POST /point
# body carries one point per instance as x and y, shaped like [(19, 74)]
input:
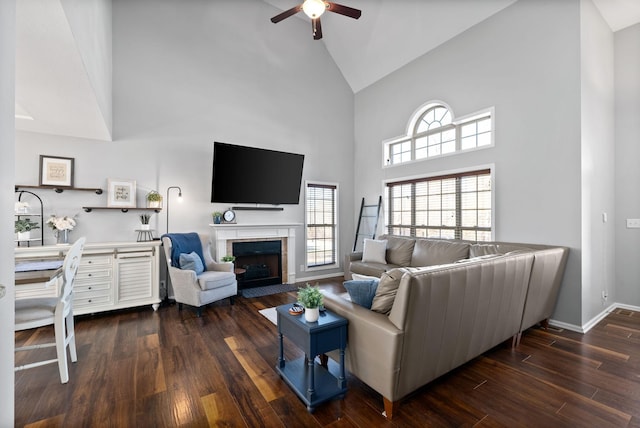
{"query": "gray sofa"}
[(463, 300)]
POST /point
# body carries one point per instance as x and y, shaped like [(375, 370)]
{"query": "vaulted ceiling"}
[(53, 89)]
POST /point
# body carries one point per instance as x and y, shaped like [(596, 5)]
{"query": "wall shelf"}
[(57, 189), (124, 210)]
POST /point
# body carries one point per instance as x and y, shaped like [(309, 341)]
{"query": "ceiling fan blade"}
[(286, 14), (317, 29), (343, 10)]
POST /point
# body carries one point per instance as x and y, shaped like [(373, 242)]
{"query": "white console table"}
[(112, 275)]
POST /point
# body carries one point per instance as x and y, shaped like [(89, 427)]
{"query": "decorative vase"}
[(62, 237), (24, 236), (217, 219), (311, 314), (145, 227)]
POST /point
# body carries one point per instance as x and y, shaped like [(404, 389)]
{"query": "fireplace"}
[(261, 262), (223, 236)]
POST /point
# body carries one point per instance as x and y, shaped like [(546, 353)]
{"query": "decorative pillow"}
[(386, 291), (399, 249), (374, 251), (362, 292), (191, 261), (360, 277)]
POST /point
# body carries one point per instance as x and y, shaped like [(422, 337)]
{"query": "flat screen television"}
[(251, 175)]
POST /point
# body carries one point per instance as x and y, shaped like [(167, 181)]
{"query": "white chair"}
[(38, 312), (217, 282)]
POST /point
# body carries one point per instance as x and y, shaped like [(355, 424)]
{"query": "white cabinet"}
[(111, 275)]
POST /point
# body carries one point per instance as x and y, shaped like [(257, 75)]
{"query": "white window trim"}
[(456, 121), (490, 166), (336, 237)]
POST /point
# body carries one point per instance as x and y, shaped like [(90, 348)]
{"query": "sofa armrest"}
[(374, 344), (356, 255)]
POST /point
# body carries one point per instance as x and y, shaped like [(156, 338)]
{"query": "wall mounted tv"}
[(251, 175)]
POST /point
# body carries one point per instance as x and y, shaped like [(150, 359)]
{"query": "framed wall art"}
[(56, 171), (122, 193)]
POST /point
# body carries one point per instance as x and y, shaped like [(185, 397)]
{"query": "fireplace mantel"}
[(222, 235)]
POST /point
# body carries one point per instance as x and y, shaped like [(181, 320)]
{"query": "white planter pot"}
[(311, 314), (24, 236), (145, 227)]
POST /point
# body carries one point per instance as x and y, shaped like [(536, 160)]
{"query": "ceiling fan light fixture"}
[(314, 8)]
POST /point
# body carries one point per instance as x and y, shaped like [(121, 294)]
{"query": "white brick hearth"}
[(223, 236)]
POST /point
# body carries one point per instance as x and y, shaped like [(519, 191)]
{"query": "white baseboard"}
[(318, 277), (593, 321)]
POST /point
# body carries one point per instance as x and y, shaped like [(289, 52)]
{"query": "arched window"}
[(433, 132)]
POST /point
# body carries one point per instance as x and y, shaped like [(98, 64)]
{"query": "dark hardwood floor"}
[(138, 368)]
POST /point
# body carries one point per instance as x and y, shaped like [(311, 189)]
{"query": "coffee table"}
[(313, 383)]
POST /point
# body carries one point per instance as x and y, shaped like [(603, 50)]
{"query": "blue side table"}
[(312, 382)]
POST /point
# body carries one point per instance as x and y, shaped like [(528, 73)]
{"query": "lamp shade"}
[(314, 8)]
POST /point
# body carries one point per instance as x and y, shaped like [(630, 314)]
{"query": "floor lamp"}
[(168, 204), (166, 297)]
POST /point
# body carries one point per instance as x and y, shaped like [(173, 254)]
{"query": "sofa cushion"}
[(386, 291), (215, 279), (374, 251), (362, 292), (370, 269), (399, 249), (191, 261), (430, 252)]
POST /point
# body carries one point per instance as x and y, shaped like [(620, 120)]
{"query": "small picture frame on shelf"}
[(56, 171), (122, 193)]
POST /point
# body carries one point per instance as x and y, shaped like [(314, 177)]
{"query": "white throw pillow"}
[(374, 251), (358, 277)]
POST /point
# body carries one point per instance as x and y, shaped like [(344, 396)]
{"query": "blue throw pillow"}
[(362, 292), (191, 261)]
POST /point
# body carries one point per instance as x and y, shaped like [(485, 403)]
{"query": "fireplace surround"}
[(223, 236)]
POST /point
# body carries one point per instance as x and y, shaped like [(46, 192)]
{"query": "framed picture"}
[(56, 171), (122, 193)]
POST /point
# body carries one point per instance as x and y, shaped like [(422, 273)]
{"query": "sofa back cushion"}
[(399, 249), (430, 252), (477, 250)]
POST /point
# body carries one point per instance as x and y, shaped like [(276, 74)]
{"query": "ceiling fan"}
[(314, 9)]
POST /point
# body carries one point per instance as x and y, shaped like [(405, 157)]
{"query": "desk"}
[(312, 382)]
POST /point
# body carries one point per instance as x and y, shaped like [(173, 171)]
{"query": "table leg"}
[(312, 383), (281, 355), (342, 381)]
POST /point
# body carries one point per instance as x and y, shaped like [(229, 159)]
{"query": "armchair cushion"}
[(191, 261), (215, 279)]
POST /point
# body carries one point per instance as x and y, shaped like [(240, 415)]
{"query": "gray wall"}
[(597, 157), (627, 177), (524, 61), (186, 74)]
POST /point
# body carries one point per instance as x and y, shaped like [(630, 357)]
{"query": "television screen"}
[(250, 175)]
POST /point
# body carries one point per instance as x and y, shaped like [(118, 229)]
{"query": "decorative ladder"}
[(367, 223)]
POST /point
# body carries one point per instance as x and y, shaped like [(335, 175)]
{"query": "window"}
[(454, 206), (433, 132), (321, 224)]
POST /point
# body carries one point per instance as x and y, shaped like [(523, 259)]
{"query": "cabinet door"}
[(135, 277)]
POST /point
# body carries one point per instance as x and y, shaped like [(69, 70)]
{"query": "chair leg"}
[(61, 348), (389, 406), (231, 300), (71, 338), (199, 311), (179, 306)]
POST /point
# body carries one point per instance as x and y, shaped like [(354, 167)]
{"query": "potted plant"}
[(23, 228), (144, 220), (217, 217), (311, 298), (228, 259), (154, 200)]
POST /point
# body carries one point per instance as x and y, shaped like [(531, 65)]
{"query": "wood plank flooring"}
[(137, 368)]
